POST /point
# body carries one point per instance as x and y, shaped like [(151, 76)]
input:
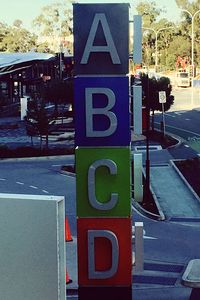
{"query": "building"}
[(23, 73)]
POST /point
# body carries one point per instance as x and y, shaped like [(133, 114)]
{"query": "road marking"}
[(181, 129), (187, 119), (44, 191), (172, 116), (2, 179), (33, 187), (18, 182), (178, 113), (150, 238), (186, 146)]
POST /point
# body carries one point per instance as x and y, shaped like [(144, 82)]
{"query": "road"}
[(42, 176), (183, 120), (185, 98), (164, 241)]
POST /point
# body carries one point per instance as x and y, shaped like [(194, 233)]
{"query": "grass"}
[(194, 145)]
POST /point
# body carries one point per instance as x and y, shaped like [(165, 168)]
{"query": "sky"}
[(27, 10)]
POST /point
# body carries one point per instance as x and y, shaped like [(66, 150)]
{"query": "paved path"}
[(175, 198)]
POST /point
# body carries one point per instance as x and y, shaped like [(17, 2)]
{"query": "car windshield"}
[(184, 75)]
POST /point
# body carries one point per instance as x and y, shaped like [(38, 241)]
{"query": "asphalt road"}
[(42, 176), (39, 177), (183, 121)]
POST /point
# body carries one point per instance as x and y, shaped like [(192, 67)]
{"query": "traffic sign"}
[(162, 97)]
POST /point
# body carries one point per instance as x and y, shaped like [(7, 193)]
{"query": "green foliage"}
[(55, 20), (151, 88), (148, 11), (54, 24), (38, 122), (15, 38), (58, 92)]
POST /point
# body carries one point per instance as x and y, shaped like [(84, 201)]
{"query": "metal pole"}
[(60, 63), (156, 42), (156, 48), (163, 119), (147, 182), (192, 45)]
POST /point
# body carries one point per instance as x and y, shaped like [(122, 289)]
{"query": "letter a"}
[(110, 47)]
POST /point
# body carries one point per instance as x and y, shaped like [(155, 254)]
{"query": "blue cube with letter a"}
[(101, 38), (102, 111)]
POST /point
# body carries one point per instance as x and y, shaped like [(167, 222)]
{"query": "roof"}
[(7, 59), (10, 62)]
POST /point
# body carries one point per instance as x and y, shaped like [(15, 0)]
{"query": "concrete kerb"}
[(2, 160), (147, 213), (178, 138), (184, 179), (191, 276)]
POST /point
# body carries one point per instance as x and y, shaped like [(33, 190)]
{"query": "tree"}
[(58, 92), (151, 88), (179, 46), (16, 38), (38, 122), (151, 25), (186, 25), (149, 12), (55, 23)]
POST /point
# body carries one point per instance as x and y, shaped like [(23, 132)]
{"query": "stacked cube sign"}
[(102, 140)]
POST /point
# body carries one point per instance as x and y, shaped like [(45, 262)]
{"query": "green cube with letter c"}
[(103, 182)]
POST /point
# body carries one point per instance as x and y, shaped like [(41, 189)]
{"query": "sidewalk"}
[(176, 200)]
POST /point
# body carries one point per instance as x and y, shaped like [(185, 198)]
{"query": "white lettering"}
[(92, 273), (100, 18), (90, 111), (111, 165)]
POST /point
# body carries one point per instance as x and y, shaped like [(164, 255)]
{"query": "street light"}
[(156, 32), (192, 35)]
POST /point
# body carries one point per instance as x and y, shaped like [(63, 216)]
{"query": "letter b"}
[(91, 111)]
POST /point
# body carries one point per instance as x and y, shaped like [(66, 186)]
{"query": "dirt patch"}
[(190, 169), (165, 141)]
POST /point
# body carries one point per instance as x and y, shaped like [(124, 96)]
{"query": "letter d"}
[(92, 273)]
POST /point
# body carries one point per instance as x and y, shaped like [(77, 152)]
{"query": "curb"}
[(177, 138), (147, 213), (2, 160), (161, 215)]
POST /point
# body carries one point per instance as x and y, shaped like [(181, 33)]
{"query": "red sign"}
[(105, 252)]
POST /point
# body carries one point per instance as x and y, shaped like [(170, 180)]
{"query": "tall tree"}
[(38, 122), (152, 33), (16, 38), (149, 12), (151, 88), (190, 14), (55, 23)]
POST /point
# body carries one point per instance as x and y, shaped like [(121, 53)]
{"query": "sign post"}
[(162, 100)]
